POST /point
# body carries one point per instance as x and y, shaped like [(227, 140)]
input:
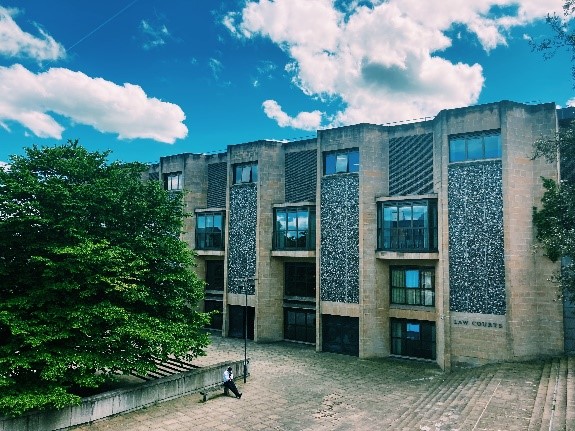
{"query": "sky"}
[(150, 78)]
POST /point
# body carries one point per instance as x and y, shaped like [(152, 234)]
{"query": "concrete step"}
[(559, 399), (535, 424), (445, 404)]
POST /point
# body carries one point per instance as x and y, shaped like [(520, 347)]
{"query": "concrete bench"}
[(210, 390)]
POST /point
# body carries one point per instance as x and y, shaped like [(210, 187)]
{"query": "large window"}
[(413, 338), (294, 228), (210, 231), (412, 286), (245, 173), (299, 325), (476, 146), (215, 275), (338, 162), (407, 225), (299, 279), (173, 181)]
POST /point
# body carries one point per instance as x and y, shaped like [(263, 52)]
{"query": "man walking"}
[(229, 382)]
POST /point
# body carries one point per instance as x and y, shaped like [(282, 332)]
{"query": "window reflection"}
[(209, 231), (341, 162), (294, 228), (475, 146)]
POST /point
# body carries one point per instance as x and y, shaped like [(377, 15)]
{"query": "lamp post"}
[(246, 332)]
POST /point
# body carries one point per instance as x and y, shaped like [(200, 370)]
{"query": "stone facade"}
[(423, 237)]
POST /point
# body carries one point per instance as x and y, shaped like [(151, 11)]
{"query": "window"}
[(215, 275), (338, 162), (412, 286), (173, 181), (475, 147), (210, 231), (294, 228), (340, 334), (413, 338), (299, 279), (299, 325), (245, 173), (407, 225)]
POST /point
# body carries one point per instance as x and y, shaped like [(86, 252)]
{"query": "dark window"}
[(216, 320), (412, 286), (477, 146), (215, 275), (413, 338), (300, 279), (245, 173), (210, 231), (299, 325), (237, 321), (340, 334), (173, 181), (407, 225), (294, 228), (338, 162)]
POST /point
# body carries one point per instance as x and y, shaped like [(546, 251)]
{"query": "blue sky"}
[(150, 78)]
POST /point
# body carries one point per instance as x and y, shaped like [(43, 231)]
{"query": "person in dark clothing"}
[(229, 382)]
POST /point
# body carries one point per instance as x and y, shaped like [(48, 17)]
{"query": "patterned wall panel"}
[(217, 184), (476, 260), (242, 236), (339, 255), (411, 165), (300, 176)]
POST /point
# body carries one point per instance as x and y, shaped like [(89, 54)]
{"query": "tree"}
[(94, 279), (555, 221)]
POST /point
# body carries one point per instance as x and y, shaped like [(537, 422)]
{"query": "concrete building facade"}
[(412, 240)]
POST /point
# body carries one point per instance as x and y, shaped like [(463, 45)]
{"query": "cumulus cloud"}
[(303, 120), (382, 59), (30, 98), (14, 42)]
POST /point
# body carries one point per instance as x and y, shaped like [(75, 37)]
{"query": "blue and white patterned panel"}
[(476, 260), (339, 251), (242, 237)]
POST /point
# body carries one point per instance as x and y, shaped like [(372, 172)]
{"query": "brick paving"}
[(292, 387)]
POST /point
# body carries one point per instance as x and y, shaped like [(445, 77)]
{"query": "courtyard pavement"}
[(292, 387)]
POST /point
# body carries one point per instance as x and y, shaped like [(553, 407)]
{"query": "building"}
[(413, 240)]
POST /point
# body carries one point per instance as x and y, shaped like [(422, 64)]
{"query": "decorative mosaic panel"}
[(300, 176), (411, 165), (476, 261), (242, 237), (339, 255), (217, 185)]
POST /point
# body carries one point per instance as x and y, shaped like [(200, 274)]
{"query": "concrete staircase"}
[(468, 400), (554, 408)]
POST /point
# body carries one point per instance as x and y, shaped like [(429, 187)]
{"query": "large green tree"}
[(94, 279), (555, 220)]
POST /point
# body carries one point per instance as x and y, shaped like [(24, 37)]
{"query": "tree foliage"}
[(555, 221), (562, 35), (94, 279)]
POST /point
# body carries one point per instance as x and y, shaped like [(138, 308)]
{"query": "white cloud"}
[(382, 60), (14, 42), (303, 120), (29, 99), (154, 36)]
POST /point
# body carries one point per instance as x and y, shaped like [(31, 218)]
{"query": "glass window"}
[(299, 325), (245, 173), (412, 286), (477, 146), (299, 279), (407, 225), (173, 181), (415, 339), (341, 161), (215, 275), (210, 231), (294, 228)]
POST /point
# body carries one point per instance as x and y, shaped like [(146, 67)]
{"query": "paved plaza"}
[(292, 387)]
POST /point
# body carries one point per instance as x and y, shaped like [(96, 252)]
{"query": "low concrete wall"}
[(123, 400)]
